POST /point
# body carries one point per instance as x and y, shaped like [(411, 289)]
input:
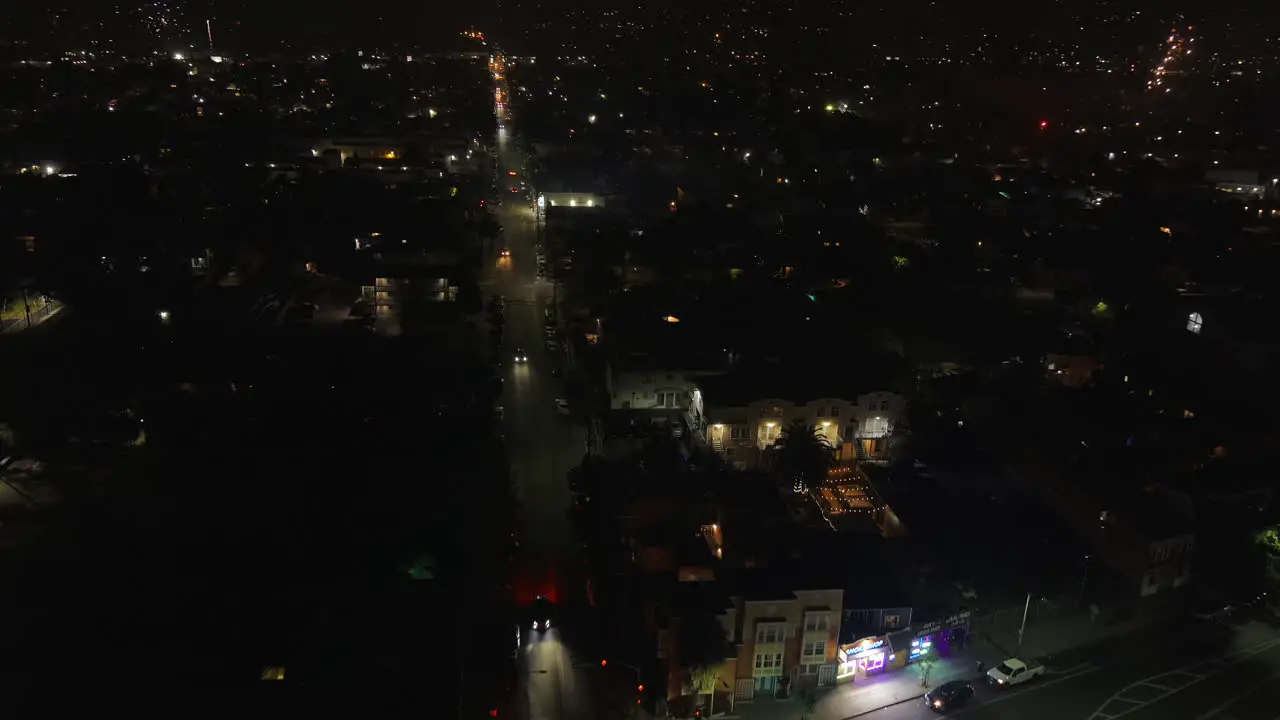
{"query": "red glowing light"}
[(604, 663), (1044, 124)]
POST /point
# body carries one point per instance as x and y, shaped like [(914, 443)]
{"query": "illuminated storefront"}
[(862, 657), (938, 637)]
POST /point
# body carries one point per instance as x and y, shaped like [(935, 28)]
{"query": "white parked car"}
[(1014, 672)]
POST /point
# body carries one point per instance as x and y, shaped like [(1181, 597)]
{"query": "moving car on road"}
[(521, 357), (506, 252), (1014, 672), (949, 695), (541, 611)]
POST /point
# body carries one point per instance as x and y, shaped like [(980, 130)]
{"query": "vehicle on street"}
[(949, 695), (506, 252), (562, 406), (512, 173), (521, 357), (541, 612), (515, 189), (1014, 672)]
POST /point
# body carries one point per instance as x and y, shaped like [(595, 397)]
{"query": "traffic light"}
[(640, 688), (604, 663), (698, 713)]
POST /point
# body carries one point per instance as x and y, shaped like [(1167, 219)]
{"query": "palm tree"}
[(803, 453)]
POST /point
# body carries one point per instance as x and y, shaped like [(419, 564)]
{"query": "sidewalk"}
[(1045, 639), (850, 699)]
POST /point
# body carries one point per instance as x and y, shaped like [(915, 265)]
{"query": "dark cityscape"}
[(553, 360)]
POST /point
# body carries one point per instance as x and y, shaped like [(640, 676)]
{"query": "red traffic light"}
[(640, 688), (1044, 124), (604, 663)]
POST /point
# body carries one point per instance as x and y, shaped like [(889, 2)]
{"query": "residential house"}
[(741, 418), (664, 383), (780, 639), (1138, 534), (785, 637), (396, 286)]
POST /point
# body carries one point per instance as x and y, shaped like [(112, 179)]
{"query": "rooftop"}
[(668, 360), (846, 382), (805, 563)]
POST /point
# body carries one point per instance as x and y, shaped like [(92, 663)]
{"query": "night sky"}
[(257, 24)]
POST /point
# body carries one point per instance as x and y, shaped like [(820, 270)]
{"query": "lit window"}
[(768, 633), (1195, 322)]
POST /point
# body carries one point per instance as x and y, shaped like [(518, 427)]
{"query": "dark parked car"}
[(949, 695)]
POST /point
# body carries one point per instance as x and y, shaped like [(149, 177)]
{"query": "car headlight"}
[(937, 703), (546, 623), (1000, 681)]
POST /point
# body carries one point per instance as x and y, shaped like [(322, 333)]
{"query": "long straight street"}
[(1197, 673), (543, 442)]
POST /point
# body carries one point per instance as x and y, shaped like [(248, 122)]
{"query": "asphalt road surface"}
[(1195, 673), (543, 444)]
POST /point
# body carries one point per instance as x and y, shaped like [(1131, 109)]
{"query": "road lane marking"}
[(1221, 664), (1037, 686), (1237, 697), (1157, 685)]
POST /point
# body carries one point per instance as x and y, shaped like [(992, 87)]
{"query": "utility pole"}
[(1022, 630)]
